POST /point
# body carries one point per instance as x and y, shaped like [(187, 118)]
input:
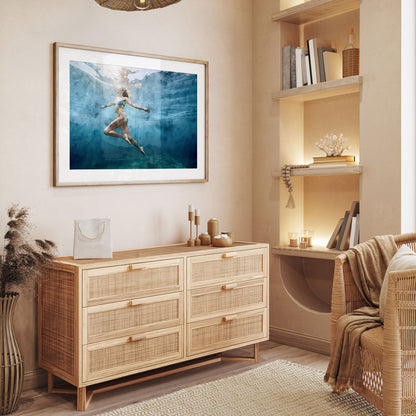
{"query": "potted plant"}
[(22, 260)]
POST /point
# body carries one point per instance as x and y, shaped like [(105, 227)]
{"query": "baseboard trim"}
[(296, 339), (35, 379)]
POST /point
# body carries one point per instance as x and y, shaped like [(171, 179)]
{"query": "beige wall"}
[(241, 190), (380, 118), (216, 31)]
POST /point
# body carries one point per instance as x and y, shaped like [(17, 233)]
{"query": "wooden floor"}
[(39, 402)]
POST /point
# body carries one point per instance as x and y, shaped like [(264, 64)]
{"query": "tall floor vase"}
[(11, 360)]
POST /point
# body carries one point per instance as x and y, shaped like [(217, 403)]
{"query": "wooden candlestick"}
[(197, 222), (191, 241)]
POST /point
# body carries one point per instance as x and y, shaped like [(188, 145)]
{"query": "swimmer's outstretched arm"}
[(108, 105), (137, 106)]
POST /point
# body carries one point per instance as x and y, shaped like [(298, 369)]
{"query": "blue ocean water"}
[(168, 133)]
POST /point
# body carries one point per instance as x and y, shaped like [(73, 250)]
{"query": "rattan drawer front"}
[(123, 356), (227, 298), (217, 334), (131, 281), (129, 317), (221, 268)]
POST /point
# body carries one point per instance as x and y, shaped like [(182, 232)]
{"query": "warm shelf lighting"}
[(135, 5)]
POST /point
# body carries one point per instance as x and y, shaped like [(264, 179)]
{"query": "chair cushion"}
[(404, 259)]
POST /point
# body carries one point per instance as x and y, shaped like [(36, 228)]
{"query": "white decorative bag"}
[(92, 239)]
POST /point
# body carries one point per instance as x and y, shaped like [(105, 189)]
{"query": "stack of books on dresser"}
[(319, 62)]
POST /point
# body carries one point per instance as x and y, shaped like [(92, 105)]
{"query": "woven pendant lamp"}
[(135, 5)]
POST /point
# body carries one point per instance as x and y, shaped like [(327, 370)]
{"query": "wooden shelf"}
[(321, 90), (314, 10), (312, 252), (323, 171)]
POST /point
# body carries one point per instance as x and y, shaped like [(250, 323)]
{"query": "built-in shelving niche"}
[(306, 114), (308, 281)]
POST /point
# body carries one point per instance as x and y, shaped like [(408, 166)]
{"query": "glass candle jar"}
[(303, 243), (293, 239), (308, 233)]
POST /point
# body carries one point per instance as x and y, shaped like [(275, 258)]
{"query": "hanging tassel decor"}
[(286, 179)]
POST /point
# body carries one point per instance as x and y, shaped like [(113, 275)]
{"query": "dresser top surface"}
[(175, 250)]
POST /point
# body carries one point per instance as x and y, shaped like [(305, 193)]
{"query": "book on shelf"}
[(321, 50), (308, 69), (300, 67), (342, 230), (332, 243), (332, 65), (288, 67), (332, 164), (355, 231), (313, 45), (344, 242), (333, 159)]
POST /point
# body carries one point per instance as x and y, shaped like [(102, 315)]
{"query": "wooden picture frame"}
[(128, 118)]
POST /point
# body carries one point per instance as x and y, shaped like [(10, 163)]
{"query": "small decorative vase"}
[(222, 240), (11, 360)]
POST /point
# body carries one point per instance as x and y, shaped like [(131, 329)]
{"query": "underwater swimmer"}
[(121, 119)]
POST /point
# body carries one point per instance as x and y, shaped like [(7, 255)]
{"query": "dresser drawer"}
[(229, 298), (123, 356), (215, 334), (129, 317), (231, 265), (130, 281)]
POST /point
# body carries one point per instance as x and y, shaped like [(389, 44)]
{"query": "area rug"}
[(279, 388)]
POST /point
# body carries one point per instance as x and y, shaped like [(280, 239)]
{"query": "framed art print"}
[(128, 118)]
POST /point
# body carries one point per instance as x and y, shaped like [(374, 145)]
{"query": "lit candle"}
[(303, 242), (293, 240)]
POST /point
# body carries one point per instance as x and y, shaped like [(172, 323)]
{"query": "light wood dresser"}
[(167, 308)]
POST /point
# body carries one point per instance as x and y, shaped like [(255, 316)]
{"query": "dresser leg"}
[(256, 352), (254, 359), (50, 382), (81, 398)]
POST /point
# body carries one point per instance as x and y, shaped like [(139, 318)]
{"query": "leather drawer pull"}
[(229, 286), (136, 267), (229, 255), (131, 303), (137, 338), (229, 318)]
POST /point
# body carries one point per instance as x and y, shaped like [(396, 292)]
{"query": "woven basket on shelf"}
[(132, 5), (350, 62)]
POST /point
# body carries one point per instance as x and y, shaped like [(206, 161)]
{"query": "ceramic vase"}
[(11, 360)]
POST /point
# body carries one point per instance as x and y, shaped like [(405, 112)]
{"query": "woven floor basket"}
[(11, 360), (130, 5)]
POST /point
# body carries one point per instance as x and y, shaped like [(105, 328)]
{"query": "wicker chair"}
[(388, 353)]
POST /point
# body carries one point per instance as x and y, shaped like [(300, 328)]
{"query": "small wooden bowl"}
[(222, 240)]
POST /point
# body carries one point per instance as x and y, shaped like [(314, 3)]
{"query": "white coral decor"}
[(333, 145)]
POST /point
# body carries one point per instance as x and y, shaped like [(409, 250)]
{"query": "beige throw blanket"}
[(368, 262)]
